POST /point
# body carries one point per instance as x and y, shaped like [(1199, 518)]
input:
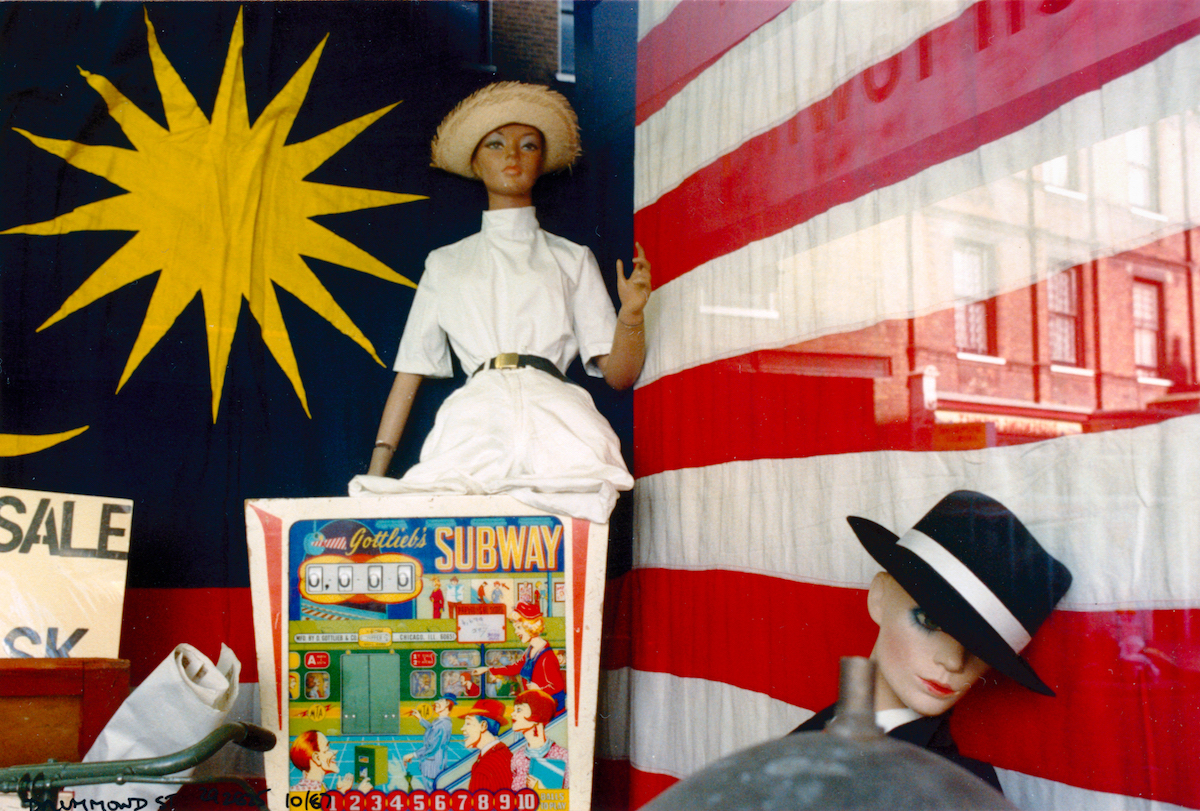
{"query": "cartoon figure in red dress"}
[(480, 728), (437, 598), (538, 666)]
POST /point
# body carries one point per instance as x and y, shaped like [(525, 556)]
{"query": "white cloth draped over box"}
[(513, 287), (185, 698)]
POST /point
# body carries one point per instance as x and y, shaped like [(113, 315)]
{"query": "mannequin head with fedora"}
[(963, 591)]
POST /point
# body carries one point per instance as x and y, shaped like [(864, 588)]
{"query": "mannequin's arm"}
[(623, 364), (391, 424)]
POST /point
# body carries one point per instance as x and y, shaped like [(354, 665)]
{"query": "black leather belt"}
[(511, 360)]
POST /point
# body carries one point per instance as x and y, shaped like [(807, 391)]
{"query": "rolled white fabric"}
[(184, 699)]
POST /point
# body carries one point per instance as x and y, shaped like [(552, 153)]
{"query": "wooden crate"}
[(55, 708)]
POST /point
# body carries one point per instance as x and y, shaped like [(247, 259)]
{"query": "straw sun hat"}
[(504, 103)]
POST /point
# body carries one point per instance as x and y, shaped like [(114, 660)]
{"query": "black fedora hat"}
[(978, 573)]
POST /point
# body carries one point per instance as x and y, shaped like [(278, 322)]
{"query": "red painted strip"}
[(692, 37), (873, 131), (618, 786), (155, 621), (272, 527), (744, 413), (1128, 683), (579, 558)]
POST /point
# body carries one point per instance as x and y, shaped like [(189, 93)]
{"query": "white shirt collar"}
[(888, 720), (511, 220)]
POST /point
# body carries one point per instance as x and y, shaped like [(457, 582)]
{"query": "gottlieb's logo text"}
[(52, 522)]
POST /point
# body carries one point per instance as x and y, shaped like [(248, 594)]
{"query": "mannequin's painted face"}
[(918, 665), (509, 160)]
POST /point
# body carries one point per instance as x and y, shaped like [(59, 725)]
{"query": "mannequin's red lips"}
[(937, 688)]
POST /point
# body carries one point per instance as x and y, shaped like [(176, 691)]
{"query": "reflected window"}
[(1142, 158), (566, 40), (972, 315), (1147, 327), (1062, 298), (1061, 172)]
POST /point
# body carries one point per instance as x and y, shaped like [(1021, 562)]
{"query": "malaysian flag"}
[(903, 248), (212, 222)]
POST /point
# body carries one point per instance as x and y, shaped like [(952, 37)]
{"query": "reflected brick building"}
[(1105, 343)]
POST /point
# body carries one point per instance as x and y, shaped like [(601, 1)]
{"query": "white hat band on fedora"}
[(969, 586)]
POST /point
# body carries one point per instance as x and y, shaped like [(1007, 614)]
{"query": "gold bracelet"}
[(379, 443)]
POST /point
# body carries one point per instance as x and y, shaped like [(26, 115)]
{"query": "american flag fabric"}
[(799, 169)]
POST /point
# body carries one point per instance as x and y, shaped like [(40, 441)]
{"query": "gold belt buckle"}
[(505, 360)]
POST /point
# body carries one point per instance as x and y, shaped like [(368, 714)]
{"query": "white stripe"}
[(679, 725), (892, 246), (1118, 508), (1031, 793), (786, 65), (969, 586), (651, 13)]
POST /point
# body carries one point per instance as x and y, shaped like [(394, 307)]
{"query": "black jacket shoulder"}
[(930, 732)]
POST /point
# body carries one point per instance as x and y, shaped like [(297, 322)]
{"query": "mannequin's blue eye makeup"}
[(922, 621)]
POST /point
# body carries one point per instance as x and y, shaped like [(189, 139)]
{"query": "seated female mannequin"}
[(516, 305), (964, 590)]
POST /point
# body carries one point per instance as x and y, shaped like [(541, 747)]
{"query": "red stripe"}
[(687, 621), (155, 621), (1128, 706), (849, 144), (618, 786), (692, 37), (738, 409), (1128, 683)]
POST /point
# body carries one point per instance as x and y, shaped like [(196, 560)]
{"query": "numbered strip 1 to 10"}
[(504, 800)]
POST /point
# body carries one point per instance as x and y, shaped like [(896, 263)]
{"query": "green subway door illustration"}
[(370, 693)]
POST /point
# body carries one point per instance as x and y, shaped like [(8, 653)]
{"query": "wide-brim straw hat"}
[(497, 105)]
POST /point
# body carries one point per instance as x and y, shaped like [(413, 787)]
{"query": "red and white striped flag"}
[(837, 197)]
